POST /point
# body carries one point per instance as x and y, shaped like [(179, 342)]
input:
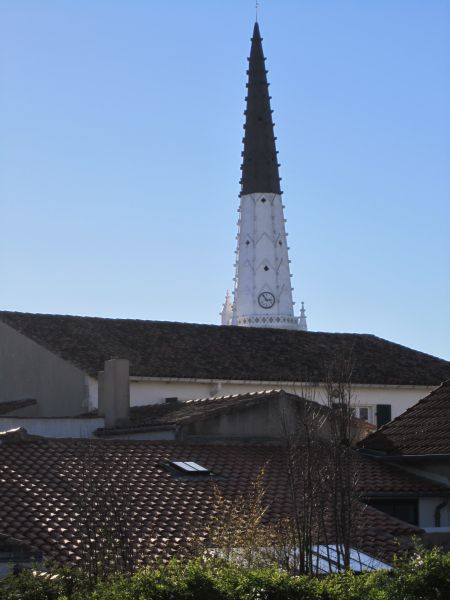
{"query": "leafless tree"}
[(103, 500), (344, 429), (306, 470), (321, 471)]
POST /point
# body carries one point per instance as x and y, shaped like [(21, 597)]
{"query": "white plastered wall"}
[(153, 391), (427, 508)]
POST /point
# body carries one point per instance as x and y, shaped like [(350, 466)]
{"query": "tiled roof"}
[(184, 350), (44, 482), (12, 405), (173, 414), (423, 429), (375, 478)]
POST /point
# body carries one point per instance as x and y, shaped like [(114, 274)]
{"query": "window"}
[(403, 509), (366, 413), (16, 555), (189, 468)]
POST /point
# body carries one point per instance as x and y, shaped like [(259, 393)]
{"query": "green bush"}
[(57, 584), (425, 577)]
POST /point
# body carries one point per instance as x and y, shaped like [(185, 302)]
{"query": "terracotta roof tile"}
[(423, 429), (184, 350), (375, 477), (45, 486)]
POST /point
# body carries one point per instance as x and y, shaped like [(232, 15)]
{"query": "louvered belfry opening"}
[(259, 157)]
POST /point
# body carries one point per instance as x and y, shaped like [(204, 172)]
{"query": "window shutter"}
[(383, 414)]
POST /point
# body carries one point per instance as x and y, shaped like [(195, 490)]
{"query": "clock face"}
[(266, 300)]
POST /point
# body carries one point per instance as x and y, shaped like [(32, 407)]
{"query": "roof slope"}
[(422, 429), (177, 413), (171, 415), (44, 482), (185, 350)]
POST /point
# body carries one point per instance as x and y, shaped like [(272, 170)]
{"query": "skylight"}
[(190, 468), (327, 559)]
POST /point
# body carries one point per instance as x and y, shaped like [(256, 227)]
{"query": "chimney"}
[(114, 392), (101, 393)]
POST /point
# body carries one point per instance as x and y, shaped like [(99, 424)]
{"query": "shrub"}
[(425, 577)]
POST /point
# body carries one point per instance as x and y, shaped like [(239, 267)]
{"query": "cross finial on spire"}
[(256, 10)]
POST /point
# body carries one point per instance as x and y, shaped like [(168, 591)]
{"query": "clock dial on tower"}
[(266, 300)]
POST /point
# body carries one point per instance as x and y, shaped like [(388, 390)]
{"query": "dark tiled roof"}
[(12, 405), (183, 412), (184, 350), (422, 429), (375, 478), (43, 483), (173, 414)]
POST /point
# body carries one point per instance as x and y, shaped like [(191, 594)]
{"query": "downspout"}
[(437, 512)]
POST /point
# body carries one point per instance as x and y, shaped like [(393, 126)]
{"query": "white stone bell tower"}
[(263, 289)]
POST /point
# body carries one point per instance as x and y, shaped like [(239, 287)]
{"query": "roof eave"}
[(272, 382)]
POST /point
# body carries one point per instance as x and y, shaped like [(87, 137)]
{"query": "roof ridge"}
[(229, 396)]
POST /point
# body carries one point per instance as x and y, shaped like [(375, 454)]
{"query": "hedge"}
[(424, 577)]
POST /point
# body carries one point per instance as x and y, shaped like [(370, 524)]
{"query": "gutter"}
[(378, 455), (143, 379), (389, 495), (437, 512), (126, 430)]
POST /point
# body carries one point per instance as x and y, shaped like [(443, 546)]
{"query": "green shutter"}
[(383, 414)]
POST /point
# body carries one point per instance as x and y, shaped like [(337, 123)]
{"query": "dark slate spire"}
[(259, 163)]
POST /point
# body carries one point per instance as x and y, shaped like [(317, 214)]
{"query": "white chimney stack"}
[(114, 392)]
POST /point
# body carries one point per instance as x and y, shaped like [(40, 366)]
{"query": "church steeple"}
[(262, 285), (259, 157)]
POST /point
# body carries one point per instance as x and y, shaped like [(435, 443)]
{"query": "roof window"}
[(189, 468)]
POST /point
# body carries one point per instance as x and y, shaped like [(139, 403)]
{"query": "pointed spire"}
[(259, 162), (302, 325), (227, 310)]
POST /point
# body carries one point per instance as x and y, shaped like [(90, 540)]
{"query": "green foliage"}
[(57, 584), (424, 577)]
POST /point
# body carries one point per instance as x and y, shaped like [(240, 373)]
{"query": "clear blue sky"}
[(121, 126)]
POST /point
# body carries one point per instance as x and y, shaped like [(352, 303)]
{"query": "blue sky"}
[(121, 126)]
